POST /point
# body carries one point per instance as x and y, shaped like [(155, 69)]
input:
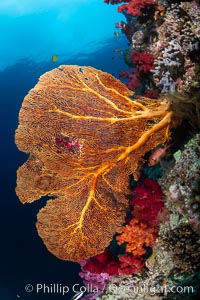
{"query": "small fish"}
[(118, 51), (154, 39), (156, 79), (164, 282), (120, 25), (157, 155), (54, 58), (148, 21), (156, 15), (77, 296), (116, 34)]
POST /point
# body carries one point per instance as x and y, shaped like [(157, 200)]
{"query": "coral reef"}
[(178, 49), (168, 30), (136, 238), (184, 244), (182, 184), (85, 136), (173, 269), (87, 133)]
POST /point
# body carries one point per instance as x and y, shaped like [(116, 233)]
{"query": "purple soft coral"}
[(95, 284)]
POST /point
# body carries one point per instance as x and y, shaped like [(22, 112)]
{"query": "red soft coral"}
[(143, 60), (105, 262), (148, 202), (135, 7), (134, 78), (110, 264), (130, 264)]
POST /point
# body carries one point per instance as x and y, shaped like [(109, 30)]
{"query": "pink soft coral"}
[(95, 282)]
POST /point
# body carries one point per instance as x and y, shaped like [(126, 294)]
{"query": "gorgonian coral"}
[(85, 137)]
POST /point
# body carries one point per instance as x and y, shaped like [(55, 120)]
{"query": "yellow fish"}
[(54, 58)]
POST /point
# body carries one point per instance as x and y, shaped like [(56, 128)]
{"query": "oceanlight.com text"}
[(151, 290)]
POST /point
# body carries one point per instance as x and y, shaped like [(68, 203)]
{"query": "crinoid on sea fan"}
[(84, 136)]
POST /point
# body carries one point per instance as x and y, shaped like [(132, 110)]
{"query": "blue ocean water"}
[(81, 32)]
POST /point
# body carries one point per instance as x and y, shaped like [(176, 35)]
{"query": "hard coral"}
[(181, 186), (184, 243), (82, 106), (137, 235)]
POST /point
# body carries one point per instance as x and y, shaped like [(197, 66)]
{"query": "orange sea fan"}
[(85, 136)]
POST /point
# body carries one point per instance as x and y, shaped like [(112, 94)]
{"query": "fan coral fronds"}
[(137, 235), (85, 137)]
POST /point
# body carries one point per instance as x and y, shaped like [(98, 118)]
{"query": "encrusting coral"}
[(85, 136), (184, 244)]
